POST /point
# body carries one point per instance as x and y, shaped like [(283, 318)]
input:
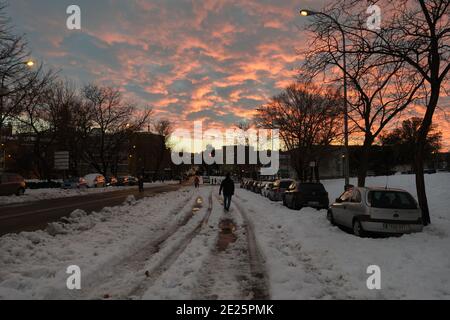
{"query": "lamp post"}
[(306, 13)]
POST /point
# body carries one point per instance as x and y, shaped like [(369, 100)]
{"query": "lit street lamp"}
[(306, 13), (4, 90)]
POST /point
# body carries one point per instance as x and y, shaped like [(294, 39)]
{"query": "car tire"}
[(285, 202), (358, 229), (330, 217), (20, 192)]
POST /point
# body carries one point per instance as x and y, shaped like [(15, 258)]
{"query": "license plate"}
[(313, 203), (397, 227)]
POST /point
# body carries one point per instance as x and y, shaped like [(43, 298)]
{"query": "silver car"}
[(379, 210)]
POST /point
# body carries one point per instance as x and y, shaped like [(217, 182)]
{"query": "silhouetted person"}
[(197, 182), (227, 186), (141, 183)]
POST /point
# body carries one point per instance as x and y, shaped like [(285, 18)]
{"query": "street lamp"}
[(4, 90), (306, 13)]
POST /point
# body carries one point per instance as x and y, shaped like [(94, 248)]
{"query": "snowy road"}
[(179, 245), (34, 215)]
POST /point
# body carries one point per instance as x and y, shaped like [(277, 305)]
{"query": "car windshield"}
[(391, 200)]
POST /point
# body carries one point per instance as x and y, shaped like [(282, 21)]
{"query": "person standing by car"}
[(141, 183), (227, 186)]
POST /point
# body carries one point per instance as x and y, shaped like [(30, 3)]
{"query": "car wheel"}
[(285, 203), (358, 229), (20, 192), (330, 217)]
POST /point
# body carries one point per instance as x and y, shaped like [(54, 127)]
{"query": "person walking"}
[(227, 186), (197, 182)]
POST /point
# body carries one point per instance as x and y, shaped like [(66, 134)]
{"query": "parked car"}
[(248, 184), (300, 195), (253, 186), (261, 186), (112, 181), (378, 210), (74, 183), (278, 189), (95, 180), (267, 187), (127, 181), (11, 183)]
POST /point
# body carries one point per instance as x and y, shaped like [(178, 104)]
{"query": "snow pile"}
[(56, 193), (307, 258), (33, 265)]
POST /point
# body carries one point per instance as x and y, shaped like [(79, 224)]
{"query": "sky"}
[(209, 60)]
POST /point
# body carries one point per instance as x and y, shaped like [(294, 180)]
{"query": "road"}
[(34, 216)]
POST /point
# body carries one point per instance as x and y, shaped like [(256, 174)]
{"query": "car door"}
[(353, 208), (340, 207)]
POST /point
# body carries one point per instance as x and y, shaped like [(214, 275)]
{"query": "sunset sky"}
[(210, 60)]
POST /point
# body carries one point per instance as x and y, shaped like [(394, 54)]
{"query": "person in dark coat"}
[(197, 182), (227, 186), (141, 183)]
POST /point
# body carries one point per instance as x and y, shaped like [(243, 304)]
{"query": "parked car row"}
[(294, 195), (361, 210), (14, 184), (96, 180)]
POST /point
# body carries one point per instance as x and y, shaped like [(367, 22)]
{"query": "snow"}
[(33, 265), (160, 248), (307, 258), (32, 195)]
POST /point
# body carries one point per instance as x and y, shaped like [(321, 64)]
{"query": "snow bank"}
[(33, 265), (55, 193), (307, 258)]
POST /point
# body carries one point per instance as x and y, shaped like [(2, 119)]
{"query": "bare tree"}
[(379, 88), (112, 121), (417, 33), (307, 117), (35, 121), (15, 75), (163, 128)]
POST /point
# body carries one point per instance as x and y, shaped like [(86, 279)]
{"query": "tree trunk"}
[(420, 186), (364, 161), (420, 154)]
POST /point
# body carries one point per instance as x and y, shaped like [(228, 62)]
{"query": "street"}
[(36, 215)]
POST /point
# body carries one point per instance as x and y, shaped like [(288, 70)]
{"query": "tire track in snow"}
[(330, 286), (235, 269), (166, 262), (97, 283)]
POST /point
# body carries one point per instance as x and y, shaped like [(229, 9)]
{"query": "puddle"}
[(198, 205), (226, 235)]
